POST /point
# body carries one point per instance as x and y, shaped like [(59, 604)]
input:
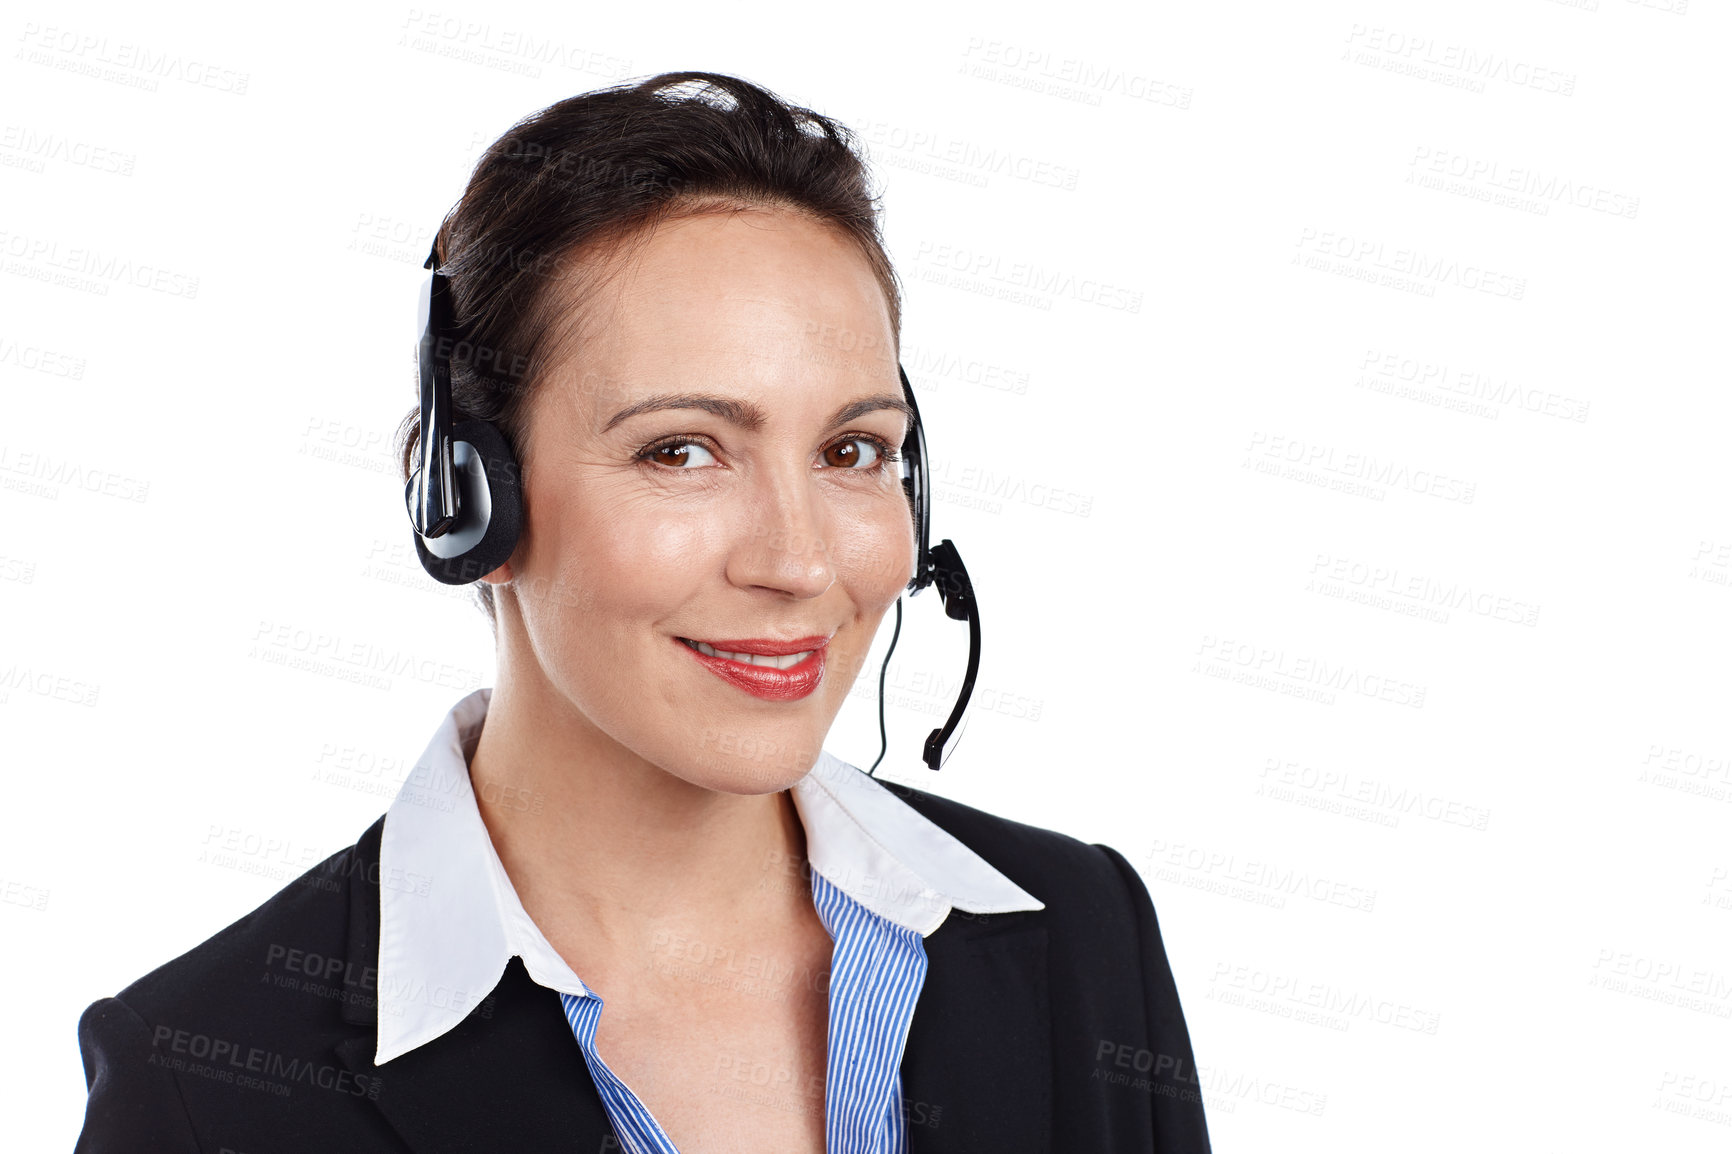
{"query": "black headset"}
[(466, 504)]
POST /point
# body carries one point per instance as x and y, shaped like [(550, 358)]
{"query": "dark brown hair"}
[(581, 178)]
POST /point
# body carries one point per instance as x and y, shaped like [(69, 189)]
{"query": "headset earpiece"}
[(465, 501), (489, 507)]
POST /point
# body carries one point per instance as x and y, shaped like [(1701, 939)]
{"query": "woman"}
[(648, 290)]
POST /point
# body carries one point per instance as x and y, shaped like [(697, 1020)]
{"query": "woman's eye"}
[(679, 454), (855, 453)]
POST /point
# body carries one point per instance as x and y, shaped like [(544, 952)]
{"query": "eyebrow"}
[(749, 416)]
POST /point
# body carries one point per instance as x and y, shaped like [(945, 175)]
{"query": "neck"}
[(607, 850)]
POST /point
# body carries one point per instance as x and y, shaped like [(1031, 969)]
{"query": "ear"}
[(499, 576)]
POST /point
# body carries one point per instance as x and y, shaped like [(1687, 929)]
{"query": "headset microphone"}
[(939, 566), (465, 504)]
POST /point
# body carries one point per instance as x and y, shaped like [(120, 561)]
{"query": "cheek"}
[(645, 555), (645, 564), (874, 552), (633, 564)]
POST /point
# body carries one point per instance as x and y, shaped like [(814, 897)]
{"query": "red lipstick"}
[(764, 681)]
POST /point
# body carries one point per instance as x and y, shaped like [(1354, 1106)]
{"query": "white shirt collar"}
[(450, 920)]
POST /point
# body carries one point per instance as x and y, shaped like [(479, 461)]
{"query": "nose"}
[(782, 544)]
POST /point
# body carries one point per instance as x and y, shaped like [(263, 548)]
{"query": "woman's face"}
[(712, 462)]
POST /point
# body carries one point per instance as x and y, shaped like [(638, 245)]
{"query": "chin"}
[(744, 762)]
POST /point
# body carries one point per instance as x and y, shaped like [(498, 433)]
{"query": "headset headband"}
[(433, 508)]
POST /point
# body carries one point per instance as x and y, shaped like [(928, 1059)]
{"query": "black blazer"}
[(1051, 1030)]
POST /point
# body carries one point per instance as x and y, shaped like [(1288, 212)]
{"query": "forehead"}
[(753, 301)]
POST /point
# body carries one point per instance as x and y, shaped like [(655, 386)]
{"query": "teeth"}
[(764, 659)]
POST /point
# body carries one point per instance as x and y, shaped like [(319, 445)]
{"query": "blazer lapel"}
[(977, 1071), (510, 1076)]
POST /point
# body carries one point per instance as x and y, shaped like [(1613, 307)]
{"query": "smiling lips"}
[(772, 670)]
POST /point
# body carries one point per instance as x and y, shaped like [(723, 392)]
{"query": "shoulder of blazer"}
[(301, 932), (1080, 884), (1094, 991), (238, 1038)]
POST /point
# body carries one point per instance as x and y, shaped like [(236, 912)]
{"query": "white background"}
[(1430, 778)]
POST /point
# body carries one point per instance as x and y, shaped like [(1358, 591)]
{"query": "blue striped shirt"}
[(876, 971)]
